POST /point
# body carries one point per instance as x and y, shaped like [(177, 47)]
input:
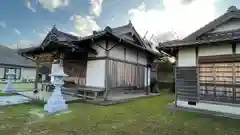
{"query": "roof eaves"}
[(196, 42), (139, 37), (23, 50)]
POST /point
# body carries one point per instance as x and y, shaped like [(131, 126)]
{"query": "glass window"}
[(17, 72)]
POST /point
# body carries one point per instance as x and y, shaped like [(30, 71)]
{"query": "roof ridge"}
[(65, 33), (232, 9)]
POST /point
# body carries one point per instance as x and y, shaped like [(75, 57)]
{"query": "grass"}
[(7, 94), (144, 116)]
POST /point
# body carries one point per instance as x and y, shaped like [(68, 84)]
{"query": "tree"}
[(165, 74)]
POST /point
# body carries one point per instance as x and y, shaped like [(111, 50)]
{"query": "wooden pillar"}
[(234, 73), (37, 77), (106, 70), (124, 69), (198, 71), (175, 76), (61, 59), (137, 74)]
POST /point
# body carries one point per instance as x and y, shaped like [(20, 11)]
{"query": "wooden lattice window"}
[(219, 82)]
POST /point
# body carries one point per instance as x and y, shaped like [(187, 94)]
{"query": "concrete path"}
[(13, 100), (44, 96)]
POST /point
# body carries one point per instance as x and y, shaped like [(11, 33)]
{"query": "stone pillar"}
[(56, 103), (9, 87)]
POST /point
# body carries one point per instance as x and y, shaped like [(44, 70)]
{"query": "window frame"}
[(230, 87), (15, 71)]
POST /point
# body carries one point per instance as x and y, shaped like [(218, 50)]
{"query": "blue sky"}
[(27, 21)]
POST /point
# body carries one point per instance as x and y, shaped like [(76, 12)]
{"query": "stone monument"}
[(56, 103), (9, 87)]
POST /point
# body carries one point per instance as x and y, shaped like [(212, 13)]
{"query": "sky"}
[(24, 23)]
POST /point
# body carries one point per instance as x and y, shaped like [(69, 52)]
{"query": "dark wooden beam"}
[(234, 48), (197, 70), (220, 58), (175, 76), (113, 46), (137, 72), (36, 78)]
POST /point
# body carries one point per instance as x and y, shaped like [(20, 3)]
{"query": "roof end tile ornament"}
[(232, 9)]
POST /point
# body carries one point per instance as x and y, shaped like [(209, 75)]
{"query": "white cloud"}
[(29, 5), (21, 44), (96, 7), (3, 24), (176, 19), (84, 26), (51, 5), (17, 31), (44, 33)]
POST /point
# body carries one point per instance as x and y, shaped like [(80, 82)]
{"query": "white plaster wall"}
[(95, 73), (28, 73), (186, 57), (142, 59), (101, 51), (117, 52), (211, 107), (131, 55), (208, 50), (238, 48), (2, 72), (147, 78), (230, 25)]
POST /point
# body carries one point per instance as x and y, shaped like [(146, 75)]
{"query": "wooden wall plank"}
[(125, 74), (186, 90)]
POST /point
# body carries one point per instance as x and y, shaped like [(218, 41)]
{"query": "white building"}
[(208, 66), (111, 60), (25, 69)]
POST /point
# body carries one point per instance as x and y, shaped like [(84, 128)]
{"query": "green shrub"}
[(167, 85)]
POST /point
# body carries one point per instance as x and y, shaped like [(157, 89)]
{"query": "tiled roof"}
[(232, 12), (10, 57), (119, 33), (231, 34), (204, 34)]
